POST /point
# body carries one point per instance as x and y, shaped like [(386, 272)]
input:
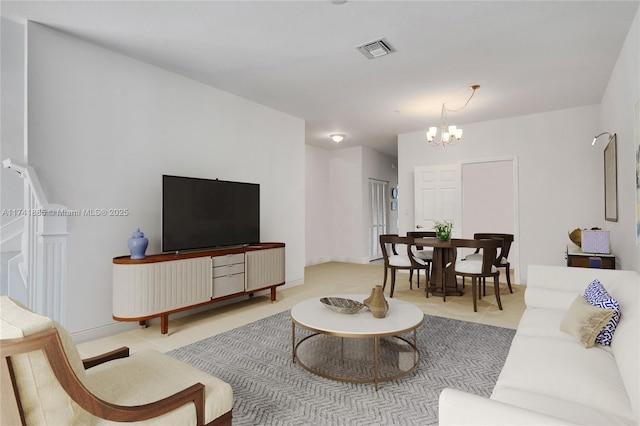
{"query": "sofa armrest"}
[(461, 408)]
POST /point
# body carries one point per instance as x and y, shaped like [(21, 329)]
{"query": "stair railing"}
[(43, 249)]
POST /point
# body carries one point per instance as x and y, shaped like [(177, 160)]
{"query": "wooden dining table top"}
[(432, 242)]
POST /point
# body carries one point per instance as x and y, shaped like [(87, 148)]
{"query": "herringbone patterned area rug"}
[(270, 390)]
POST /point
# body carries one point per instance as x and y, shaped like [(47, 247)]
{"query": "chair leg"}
[(384, 284), (393, 282), (410, 279), (496, 286), (473, 288), (418, 276), (509, 280)]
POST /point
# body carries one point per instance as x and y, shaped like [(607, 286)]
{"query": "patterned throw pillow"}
[(598, 296)]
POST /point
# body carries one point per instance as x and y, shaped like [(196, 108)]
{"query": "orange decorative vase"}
[(376, 303)]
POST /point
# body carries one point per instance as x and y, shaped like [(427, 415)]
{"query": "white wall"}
[(318, 201), (12, 119), (616, 116), (104, 127), (560, 175), (337, 202)]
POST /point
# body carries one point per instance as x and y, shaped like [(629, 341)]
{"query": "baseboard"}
[(319, 260), (102, 331)]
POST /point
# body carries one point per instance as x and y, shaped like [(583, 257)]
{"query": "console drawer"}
[(228, 259), (234, 268), (228, 284)]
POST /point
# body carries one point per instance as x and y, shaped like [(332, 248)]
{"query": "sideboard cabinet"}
[(163, 284)]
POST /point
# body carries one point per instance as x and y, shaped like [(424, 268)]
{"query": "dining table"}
[(443, 280)]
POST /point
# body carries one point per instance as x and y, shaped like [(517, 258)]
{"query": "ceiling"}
[(299, 57)]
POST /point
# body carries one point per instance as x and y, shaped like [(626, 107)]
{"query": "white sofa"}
[(549, 377)]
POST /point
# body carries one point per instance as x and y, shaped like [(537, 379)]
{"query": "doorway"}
[(379, 217), (489, 201)]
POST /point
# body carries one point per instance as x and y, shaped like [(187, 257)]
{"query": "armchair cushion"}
[(423, 254), (402, 261), (471, 266), (156, 376)]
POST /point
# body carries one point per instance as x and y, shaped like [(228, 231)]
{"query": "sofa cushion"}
[(542, 322), (626, 345), (569, 411), (564, 370), (598, 296)]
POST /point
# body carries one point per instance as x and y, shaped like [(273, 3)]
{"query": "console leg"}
[(273, 294), (164, 324), (143, 324)]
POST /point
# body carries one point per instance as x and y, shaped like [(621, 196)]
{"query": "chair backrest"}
[(42, 398), (489, 249), (506, 239), (392, 241), (421, 234)]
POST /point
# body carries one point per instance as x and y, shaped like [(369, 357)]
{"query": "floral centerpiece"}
[(443, 230)]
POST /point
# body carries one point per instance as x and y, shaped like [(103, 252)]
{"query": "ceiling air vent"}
[(375, 49)]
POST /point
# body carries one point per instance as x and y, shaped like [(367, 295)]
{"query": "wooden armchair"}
[(395, 259), (502, 259), (424, 254), (478, 269), (44, 381)]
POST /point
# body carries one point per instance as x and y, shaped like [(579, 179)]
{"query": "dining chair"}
[(420, 252), (478, 269), (502, 258), (396, 259)]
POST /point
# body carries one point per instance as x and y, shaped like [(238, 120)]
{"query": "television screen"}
[(204, 213)]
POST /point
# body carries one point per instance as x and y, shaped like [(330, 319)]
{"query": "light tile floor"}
[(326, 279)]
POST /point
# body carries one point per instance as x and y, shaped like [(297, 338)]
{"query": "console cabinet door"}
[(152, 288), (265, 268)]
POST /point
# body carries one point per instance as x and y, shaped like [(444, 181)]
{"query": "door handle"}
[(419, 226)]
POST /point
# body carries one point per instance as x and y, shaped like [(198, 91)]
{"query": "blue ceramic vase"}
[(138, 245)]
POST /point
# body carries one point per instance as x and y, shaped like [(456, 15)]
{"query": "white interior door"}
[(378, 217), (438, 197)]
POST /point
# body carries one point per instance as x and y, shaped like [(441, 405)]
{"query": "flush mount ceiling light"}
[(601, 134), (337, 138), (449, 134), (375, 49)]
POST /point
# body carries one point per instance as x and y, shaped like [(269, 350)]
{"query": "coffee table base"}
[(356, 360)]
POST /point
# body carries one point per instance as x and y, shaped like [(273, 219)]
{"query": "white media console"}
[(163, 284)]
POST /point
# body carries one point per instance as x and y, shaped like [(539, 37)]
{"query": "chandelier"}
[(449, 134)]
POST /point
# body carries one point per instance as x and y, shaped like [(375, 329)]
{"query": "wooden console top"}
[(164, 257)]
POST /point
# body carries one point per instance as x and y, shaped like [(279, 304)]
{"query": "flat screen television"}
[(204, 213)]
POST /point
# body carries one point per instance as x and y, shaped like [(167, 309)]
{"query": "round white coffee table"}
[(356, 347)]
